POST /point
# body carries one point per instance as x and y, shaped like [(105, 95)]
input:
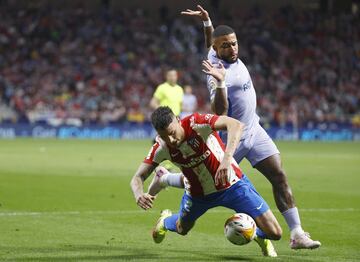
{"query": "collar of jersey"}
[(226, 64)]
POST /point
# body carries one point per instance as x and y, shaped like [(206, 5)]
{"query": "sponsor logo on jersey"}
[(194, 142), (196, 160)]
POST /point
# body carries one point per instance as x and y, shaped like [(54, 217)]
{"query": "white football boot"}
[(303, 241)]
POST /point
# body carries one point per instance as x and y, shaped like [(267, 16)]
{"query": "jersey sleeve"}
[(205, 119), (212, 56), (156, 155), (180, 94), (159, 94)]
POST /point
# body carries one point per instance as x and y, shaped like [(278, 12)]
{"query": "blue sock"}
[(260, 233), (170, 222)]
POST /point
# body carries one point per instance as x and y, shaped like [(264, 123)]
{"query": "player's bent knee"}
[(183, 229), (183, 233), (277, 235), (279, 179), (268, 223), (276, 232)]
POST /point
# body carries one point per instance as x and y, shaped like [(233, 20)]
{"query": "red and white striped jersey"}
[(198, 157)]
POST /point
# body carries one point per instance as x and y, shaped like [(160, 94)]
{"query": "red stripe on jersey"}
[(237, 170), (212, 165), (208, 119), (221, 143), (213, 120), (185, 123), (149, 160), (196, 189), (196, 118), (211, 162)]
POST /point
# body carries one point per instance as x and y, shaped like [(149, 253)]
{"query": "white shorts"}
[(256, 147)]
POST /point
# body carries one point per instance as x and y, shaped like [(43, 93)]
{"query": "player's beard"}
[(230, 59)]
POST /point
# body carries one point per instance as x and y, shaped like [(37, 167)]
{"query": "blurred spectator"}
[(356, 121), (189, 103), (169, 93), (78, 67)]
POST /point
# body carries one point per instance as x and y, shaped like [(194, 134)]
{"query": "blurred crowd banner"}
[(125, 131), (145, 131)]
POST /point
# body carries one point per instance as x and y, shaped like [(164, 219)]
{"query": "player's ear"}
[(178, 118)]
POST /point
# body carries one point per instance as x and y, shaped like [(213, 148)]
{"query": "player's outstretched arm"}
[(204, 16), (234, 130), (219, 103), (143, 200)]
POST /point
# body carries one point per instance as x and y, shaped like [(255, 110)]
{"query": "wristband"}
[(221, 85), (207, 23)]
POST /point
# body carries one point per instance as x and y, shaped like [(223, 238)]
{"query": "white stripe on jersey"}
[(218, 152), (198, 156), (205, 178), (214, 146)]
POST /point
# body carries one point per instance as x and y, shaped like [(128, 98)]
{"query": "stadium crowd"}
[(79, 67)]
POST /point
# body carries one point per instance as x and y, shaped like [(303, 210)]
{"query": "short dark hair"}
[(222, 30), (162, 117)]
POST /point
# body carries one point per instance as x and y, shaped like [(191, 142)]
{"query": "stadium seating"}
[(77, 66)]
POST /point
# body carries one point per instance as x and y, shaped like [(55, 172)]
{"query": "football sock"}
[(173, 179), (260, 233), (170, 222), (292, 218)]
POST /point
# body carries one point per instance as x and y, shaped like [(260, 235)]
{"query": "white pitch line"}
[(123, 212)]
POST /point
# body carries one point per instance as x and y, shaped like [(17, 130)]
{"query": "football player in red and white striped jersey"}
[(214, 178)]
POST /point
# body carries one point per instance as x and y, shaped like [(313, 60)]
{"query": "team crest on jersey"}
[(194, 142)]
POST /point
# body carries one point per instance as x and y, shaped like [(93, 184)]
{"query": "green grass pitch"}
[(70, 200)]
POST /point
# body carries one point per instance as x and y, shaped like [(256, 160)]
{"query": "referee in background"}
[(169, 93)]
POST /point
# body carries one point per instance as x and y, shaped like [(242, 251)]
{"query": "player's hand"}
[(217, 71), (201, 13), (222, 174), (145, 201)]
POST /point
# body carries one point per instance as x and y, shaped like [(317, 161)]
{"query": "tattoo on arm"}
[(208, 36)]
